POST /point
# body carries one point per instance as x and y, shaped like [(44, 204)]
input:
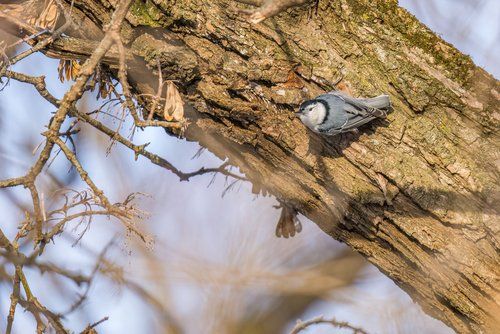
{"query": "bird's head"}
[(312, 112)]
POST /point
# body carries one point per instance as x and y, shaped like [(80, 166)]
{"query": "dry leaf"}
[(61, 69), (105, 84), (174, 107), (68, 69), (48, 17), (288, 223), (75, 69), (68, 72)]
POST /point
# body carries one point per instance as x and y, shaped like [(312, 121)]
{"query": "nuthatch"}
[(336, 112)]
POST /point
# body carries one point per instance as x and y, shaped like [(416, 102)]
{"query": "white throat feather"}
[(318, 114)]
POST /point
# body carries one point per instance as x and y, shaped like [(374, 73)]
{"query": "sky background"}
[(473, 26), (202, 238)]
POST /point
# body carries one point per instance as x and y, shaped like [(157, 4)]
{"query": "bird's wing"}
[(356, 122), (358, 106), (351, 123)]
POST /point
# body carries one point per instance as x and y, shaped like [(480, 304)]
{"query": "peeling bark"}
[(417, 195)]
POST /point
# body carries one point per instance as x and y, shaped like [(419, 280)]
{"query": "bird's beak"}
[(298, 113)]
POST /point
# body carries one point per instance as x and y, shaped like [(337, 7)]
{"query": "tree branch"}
[(303, 325)]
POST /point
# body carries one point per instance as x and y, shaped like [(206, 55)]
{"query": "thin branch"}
[(89, 329), (302, 325), (14, 182), (58, 228), (14, 299), (31, 303), (123, 211), (129, 103), (157, 97), (66, 104), (36, 207), (79, 168), (39, 84)]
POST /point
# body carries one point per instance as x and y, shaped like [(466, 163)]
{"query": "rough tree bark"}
[(417, 195)]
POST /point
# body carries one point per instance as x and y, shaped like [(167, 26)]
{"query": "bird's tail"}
[(380, 102)]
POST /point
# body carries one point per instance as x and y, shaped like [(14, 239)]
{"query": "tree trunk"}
[(417, 195)]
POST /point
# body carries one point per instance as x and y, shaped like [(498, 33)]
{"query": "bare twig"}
[(129, 103), (157, 97), (302, 325), (139, 150), (31, 303), (89, 328), (14, 299), (123, 211), (47, 225)]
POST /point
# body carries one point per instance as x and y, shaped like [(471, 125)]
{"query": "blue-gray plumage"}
[(336, 112)]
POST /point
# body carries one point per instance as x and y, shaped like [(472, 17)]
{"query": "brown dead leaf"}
[(288, 224), (68, 69), (105, 83), (75, 69), (102, 81), (61, 69), (48, 17), (174, 107)]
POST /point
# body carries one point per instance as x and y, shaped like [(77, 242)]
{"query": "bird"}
[(336, 112)]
